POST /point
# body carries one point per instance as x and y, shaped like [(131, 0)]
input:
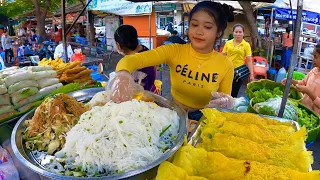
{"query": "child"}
[(126, 38), (310, 85), (196, 69)]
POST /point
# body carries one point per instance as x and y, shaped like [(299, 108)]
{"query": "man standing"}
[(7, 46)]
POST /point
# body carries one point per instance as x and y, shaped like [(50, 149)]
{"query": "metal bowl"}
[(147, 172)]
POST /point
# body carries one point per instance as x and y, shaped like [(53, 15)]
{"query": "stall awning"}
[(121, 7)]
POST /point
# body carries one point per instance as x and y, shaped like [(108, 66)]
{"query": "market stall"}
[(84, 135)]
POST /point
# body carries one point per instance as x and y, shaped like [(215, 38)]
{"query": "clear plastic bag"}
[(122, 87), (221, 100), (271, 107), (7, 169)]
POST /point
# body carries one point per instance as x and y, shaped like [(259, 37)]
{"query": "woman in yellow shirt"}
[(237, 51), (196, 69)]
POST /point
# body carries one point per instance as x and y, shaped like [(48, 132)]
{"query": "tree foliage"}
[(19, 7)]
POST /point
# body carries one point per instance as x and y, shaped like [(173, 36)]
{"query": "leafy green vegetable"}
[(164, 130), (309, 120), (266, 110)]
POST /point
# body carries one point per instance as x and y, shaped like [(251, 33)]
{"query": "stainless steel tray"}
[(194, 138), (146, 172)]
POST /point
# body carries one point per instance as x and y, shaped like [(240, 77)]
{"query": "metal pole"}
[(83, 9), (270, 29), (150, 32), (64, 40), (293, 60)]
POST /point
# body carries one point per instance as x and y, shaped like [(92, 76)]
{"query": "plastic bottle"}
[(281, 74)]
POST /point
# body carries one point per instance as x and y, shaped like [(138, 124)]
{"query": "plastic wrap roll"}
[(44, 74), (5, 99), (48, 90), (20, 85), (45, 82), (3, 89), (17, 77), (5, 109), (23, 93), (39, 68)]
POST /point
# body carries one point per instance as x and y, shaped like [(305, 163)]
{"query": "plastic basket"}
[(312, 134), (267, 84)]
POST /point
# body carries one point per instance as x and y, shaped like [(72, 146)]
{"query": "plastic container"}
[(281, 75), (272, 73), (312, 134)]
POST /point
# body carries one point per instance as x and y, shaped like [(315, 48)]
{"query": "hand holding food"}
[(221, 100), (123, 88)]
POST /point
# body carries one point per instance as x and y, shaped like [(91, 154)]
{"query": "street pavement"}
[(166, 84)]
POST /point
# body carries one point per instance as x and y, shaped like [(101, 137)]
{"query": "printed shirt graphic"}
[(237, 53), (193, 75)]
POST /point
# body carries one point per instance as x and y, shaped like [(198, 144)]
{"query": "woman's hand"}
[(303, 89), (221, 100), (122, 87), (284, 81), (251, 78)]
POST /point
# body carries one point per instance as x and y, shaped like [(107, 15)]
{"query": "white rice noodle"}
[(119, 137)]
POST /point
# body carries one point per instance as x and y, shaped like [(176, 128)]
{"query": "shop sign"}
[(165, 7), (121, 7), (307, 16)]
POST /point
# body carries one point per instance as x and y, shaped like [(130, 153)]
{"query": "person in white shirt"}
[(58, 52), (7, 46), (21, 32)]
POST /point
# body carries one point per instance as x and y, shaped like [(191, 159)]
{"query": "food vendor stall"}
[(84, 135)]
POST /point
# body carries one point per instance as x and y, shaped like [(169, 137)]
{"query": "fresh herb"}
[(210, 136), (124, 145), (120, 122), (164, 130)]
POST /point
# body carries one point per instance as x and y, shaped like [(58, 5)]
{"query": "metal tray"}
[(194, 138), (147, 172)]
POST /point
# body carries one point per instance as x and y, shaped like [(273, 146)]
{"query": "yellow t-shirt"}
[(193, 75), (237, 53)]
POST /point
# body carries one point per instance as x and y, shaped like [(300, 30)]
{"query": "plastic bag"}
[(123, 87), (271, 107), (221, 100), (7, 169)]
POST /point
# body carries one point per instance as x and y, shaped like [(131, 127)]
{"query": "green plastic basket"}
[(268, 84), (297, 75), (312, 134)]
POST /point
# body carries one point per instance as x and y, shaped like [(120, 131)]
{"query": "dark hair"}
[(288, 30), (5, 30), (238, 25), (127, 37), (174, 32), (33, 30), (221, 13)]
